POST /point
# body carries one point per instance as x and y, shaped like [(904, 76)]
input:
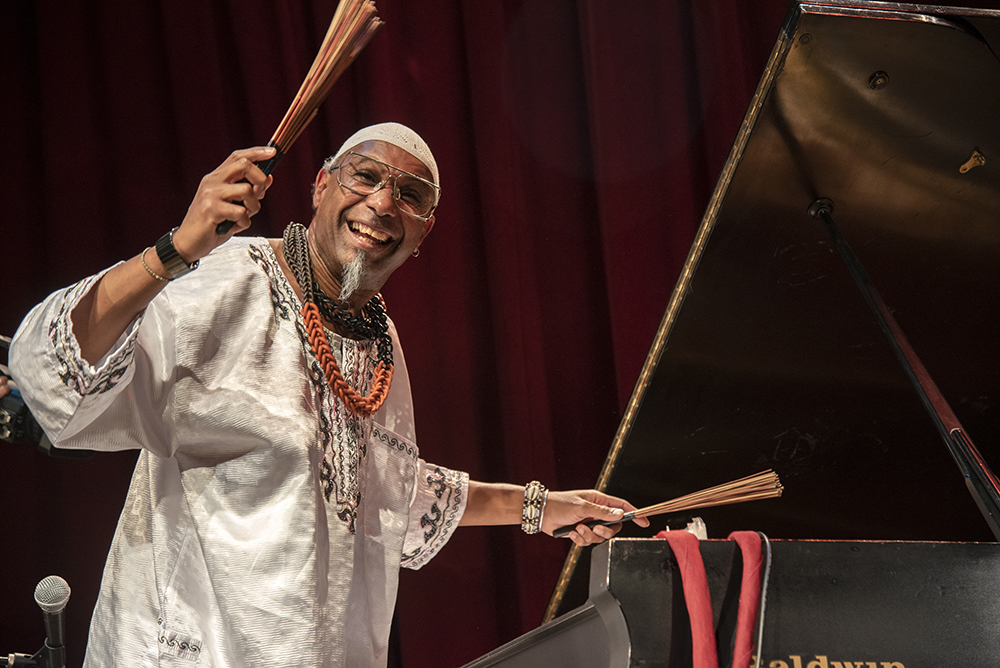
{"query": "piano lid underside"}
[(774, 361)]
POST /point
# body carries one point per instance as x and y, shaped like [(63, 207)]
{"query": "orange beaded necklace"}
[(295, 248)]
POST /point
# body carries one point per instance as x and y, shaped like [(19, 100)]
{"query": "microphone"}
[(52, 595)]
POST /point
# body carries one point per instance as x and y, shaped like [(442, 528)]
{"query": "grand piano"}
[(835, 321)]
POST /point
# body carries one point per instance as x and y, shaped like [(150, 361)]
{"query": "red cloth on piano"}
[(687, 552), (749, 542)]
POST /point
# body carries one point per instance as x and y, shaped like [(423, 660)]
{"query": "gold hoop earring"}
[(416, 251)]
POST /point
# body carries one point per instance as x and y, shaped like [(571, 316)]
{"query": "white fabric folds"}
[(265, 525)]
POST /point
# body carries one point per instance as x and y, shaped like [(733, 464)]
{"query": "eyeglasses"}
[(364, 175)]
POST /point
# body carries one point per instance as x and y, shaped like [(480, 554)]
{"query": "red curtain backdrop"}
[(578, 141)]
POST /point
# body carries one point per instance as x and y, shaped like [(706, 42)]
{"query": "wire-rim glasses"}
[(364, 175)]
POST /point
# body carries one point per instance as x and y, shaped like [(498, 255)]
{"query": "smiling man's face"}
[(346, 222)]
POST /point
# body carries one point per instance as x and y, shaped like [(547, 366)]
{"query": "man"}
[(278, 489)]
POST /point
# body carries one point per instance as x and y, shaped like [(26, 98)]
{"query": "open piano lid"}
[(768, 356)]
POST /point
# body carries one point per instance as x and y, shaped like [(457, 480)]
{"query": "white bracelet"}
[(535, 497)]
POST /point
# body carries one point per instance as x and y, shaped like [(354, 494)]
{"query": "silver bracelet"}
[(171, 259), (535, 497)]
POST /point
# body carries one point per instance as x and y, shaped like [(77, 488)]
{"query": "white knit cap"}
[(397, 135)]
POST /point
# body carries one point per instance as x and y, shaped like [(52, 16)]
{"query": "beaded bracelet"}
[(150, 271), (535, 497)]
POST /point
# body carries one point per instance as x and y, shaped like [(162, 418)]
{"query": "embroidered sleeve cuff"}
[(57, 383), (75, 372), (437, 507)]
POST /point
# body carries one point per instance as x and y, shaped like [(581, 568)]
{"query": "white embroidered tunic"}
[(265, 525)]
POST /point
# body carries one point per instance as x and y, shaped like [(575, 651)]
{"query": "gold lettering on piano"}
[(821, 661)]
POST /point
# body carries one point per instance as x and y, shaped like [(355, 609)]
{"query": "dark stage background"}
[(578, 142)]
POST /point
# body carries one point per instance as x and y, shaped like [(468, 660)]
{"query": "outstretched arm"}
[(107, 309), (500, 503)]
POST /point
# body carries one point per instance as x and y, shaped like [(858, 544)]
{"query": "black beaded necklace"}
[(371, 325)]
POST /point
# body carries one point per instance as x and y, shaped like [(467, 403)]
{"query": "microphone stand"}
[(46, 657), (43, 658)]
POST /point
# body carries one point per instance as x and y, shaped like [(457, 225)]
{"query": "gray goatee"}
[(351, 276)]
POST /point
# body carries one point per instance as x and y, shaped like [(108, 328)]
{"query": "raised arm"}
[(107, 309), (500, 503)]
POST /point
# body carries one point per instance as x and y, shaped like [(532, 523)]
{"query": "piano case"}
[(861, 200), (829, 604)]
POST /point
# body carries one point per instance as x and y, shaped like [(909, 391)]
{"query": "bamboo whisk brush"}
[(353, 25), (763, 485)]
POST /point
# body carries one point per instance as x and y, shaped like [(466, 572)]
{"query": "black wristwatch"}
[(170, 258)]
